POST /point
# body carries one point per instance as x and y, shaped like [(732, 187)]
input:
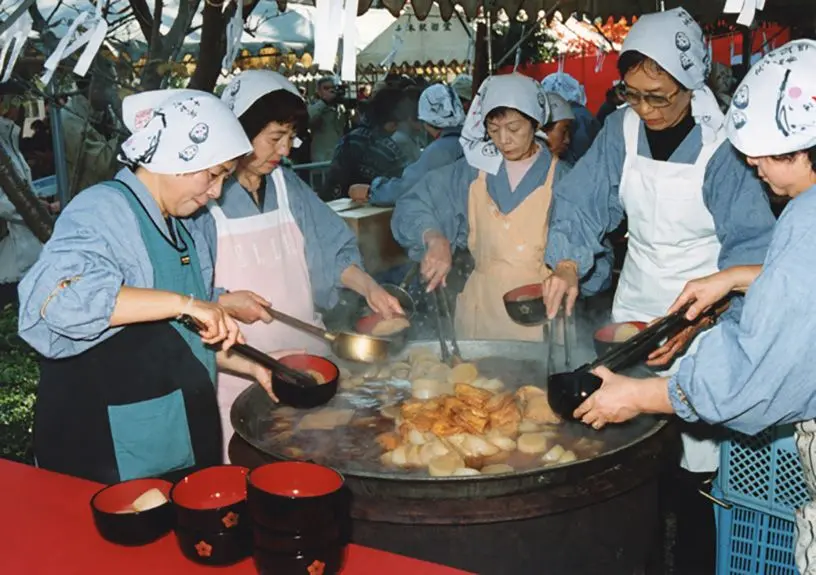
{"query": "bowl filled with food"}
[(612, 335), (324, 372), (525, 304), (133, 512)]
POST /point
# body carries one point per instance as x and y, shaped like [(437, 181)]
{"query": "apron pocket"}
[(151, 437)]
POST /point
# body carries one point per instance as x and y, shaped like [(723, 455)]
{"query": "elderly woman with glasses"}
[(692, 203)]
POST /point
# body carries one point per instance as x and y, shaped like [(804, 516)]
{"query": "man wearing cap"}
[(327, 120)]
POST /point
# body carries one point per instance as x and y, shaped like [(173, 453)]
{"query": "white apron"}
[(805, 548), (264, 253), (672, 240)]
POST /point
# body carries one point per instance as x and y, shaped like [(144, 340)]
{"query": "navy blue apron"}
[(142, 403)]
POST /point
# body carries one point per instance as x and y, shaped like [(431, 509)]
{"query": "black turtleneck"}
[(663, 143)]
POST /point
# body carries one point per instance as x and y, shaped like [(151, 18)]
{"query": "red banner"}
[(597, 77)]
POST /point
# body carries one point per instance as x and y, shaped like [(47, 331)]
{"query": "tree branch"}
[(142, 14)]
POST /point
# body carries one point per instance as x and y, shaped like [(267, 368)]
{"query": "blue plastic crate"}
[(763, 472), (750, 542)]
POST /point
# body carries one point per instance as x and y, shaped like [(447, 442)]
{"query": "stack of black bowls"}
[(300, 518), (212, 526)]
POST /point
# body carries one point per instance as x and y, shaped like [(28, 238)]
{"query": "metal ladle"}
[(345, 345)]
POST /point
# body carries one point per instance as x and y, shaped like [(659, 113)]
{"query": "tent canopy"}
[(783, 11), (409, 40)]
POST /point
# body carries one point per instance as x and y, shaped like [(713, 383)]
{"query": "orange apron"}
[(508, 251)]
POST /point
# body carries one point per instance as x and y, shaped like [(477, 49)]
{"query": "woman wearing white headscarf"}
[(271, 234), (692, 204), (495, 201), (585, 127), (442, 116), (754, 371), (125, 390)]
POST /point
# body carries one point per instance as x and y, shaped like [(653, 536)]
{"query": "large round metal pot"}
[(593, 516)]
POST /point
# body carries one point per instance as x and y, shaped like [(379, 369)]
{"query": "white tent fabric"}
[(411, 40)]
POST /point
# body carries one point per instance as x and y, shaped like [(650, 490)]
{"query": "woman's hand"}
[(437, 261), (245, 306), (615, 401), (217, 325), (359, 192), (706, 291), (382, 302), (562, 284), (622, 398)]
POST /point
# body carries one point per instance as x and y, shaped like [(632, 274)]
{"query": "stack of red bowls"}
[(300, 518), (212, 525)]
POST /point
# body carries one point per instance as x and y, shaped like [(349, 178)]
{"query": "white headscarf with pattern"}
[(565, 86), (514, 91), (440, 107), (674, 40), (774, 109), (181, 131)]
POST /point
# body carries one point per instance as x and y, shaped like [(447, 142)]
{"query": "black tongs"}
[(253, 354), (638, 347), (641, 345), (443, 307)]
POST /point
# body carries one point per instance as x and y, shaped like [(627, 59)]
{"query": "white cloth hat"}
[(674, 40), (565, 86), (245, 89), (181, 131), (463, 86), (774, 109), (560, 108), (514, 91), (440, 107)]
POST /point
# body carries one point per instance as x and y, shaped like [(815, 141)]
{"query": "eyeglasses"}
[(634, 98)]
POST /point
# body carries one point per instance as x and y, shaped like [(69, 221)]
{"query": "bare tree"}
[(213, 44), (162, 48)]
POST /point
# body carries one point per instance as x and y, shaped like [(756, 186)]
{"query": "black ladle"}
[(567, 390), (253, 354)]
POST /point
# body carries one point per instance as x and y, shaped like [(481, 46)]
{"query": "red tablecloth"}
[(47, 528)]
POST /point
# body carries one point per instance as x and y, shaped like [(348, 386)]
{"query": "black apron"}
[(140, 403)]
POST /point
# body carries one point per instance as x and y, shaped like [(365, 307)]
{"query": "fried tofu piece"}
[(538, 409), (445, 428), (389, 441), (471, 422), (472, 395), (506, 420), (499, 401)]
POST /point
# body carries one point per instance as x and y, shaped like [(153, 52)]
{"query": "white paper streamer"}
[(745, 8), (18, 34), (396, 44), (327, 33), (348, 67), (96, 28), (235, 29)]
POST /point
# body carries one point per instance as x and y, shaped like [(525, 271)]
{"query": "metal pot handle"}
[(301, 325)]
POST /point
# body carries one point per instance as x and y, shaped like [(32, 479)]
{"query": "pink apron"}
[(264, 253), (509, 252)]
